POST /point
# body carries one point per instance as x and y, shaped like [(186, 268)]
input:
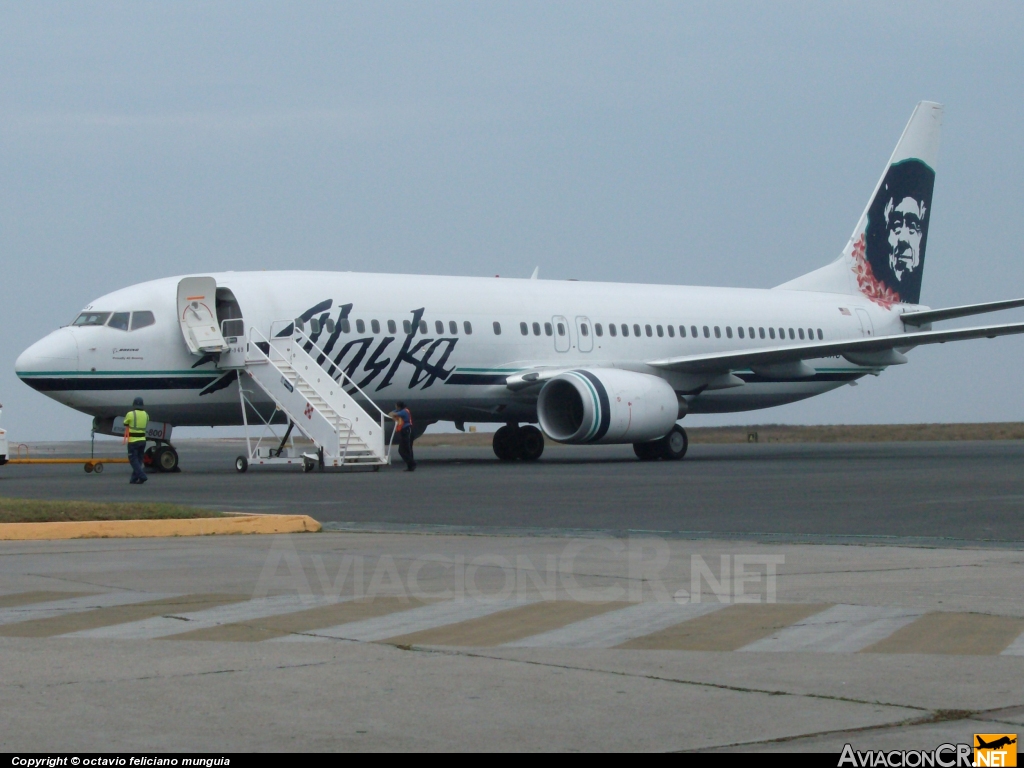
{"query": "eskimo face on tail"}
[(897, 230)]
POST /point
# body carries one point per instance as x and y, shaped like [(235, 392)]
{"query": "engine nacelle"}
[(606, 405)]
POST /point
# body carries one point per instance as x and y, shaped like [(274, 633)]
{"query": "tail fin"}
[(884, 259)]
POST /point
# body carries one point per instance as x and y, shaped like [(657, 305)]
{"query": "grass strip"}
[(37, 511)]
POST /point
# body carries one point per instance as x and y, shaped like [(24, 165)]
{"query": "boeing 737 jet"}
[(589, 362)]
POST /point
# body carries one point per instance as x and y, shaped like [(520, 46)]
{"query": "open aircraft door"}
[(197, 313)]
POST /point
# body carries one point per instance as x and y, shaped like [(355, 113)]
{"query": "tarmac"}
[(762, 616)]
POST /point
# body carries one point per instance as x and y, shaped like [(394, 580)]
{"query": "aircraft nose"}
[(56, 352)]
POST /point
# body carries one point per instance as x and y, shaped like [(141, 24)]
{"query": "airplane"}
[(1002, 741), (589, 362)]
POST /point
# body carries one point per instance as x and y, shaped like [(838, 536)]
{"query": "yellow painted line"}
[(965, 634), (28, 598), (507, 626), (120, 614), (68, 461), (270, 627), (128, 529), (727, 629)]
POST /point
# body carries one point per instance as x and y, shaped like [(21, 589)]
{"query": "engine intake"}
[(607, 405)]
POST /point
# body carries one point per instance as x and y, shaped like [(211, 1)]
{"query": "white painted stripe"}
[(177, 623), (54, 608), (407, 621), (839, 629), (615, 627), (1016, 648)]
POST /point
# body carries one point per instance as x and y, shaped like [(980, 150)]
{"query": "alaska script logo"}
[(372, 359)]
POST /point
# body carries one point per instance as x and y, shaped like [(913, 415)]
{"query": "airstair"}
[(324, 408)]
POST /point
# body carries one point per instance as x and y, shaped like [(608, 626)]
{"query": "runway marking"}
[(192, 617), (27, 598), (840, 629), (406, 622), (725, 630), (271, 627), (40, 617), (962, 634), (91, 617), (514, 623), (617, 627), (1016, 648)]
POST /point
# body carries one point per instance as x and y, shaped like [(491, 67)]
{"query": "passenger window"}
[(314, 325), (728, 331), (584, 331), (598, 329), (613, 329), (406, 326), (547, 329), (360, 326), (740, 331), (782, 333), (693, 331), (439, 327), (801, 334), (467, 327), (771, 332), (561, 329), (625, 330), (760, 332), (671, 331), (392, 327), (751, 329), (497, 328), (92, 318), (119, 320), (523, 329), (346, 326), (791, 334), (423, 326), (707, 333), (375, 326), (660, 330), (142, 320), (821, 336), (810, 333), (636, 329), (299, 324), (453, 328), (536, 329), (718, 332), (647, 328)]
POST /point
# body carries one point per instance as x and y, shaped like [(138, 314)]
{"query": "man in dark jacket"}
[(403, 426)]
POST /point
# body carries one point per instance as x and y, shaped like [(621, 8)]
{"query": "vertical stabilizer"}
[(884, 259)]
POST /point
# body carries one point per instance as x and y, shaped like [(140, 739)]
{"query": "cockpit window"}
[(119, 320), (92, 318), (142, 319)]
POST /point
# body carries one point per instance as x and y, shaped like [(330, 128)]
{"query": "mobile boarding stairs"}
[(323, 407)]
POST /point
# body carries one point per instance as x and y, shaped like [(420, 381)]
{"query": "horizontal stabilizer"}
[(722, 362), (935, 315)]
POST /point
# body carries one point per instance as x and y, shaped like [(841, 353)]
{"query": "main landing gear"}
[(672, 446), (162, 457), (513, 442)]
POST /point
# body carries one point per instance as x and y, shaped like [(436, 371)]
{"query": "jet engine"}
[(607, 405)]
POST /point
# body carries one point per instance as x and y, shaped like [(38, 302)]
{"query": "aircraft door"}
[(197, 314), (867, 328), (584, 334), (561, 329)]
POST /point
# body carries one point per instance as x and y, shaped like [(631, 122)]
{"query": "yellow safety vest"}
[(136, 422)]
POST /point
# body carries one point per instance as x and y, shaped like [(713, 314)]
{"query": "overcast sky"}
[(709, 144)]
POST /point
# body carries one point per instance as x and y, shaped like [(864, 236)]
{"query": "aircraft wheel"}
[(166, 458), (241, 464), (674, 444), (506, 444), (532, 441), (149, 457), (647, 451)]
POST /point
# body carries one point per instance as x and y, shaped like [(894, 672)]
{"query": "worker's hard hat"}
[(137, 402)]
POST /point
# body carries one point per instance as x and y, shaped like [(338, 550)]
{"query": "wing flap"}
[(718, 362)]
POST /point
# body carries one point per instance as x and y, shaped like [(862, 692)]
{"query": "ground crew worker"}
[(403, 426), (135, 423)]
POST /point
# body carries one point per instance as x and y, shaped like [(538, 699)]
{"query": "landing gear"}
[(162, 457), (513, 442), (671, 447)]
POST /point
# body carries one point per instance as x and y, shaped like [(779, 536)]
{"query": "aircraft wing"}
[(881, 348), (935, 315)]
